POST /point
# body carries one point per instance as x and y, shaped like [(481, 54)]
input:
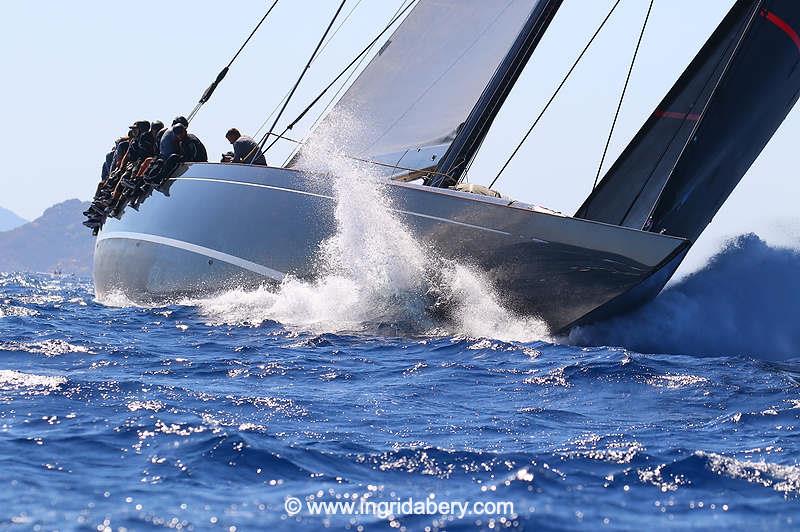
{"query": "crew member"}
[(191, 148), (143, 144), (120, 150), (157, 129), (107, 164), (169, 145), (245, 149)]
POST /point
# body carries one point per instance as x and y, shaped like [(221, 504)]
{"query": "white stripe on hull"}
[(194, 248)]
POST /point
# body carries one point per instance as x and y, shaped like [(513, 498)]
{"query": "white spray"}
[(372, 270)]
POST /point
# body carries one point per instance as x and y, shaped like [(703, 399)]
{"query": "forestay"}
[(406, 106)]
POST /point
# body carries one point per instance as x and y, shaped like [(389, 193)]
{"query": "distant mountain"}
[(9, 220), (55, 241)]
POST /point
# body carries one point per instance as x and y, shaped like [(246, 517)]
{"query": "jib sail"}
[(630, 189)]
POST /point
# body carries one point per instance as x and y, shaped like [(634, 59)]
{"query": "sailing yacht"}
[(417, 114)]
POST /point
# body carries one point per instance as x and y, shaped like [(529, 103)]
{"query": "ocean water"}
[(206, 415), (380, 396)]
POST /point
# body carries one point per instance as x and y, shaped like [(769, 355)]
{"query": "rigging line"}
[(371, 161), (427, 171), (333, 99), (622, 96), (342, 23), (558, 89), (324, 46), (343, 72), (732, 45), (302, 74), (260, 22), (759, 5), (210, 90)]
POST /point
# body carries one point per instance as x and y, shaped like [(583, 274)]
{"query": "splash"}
[(372, 270), (743, 302), (114, 299)]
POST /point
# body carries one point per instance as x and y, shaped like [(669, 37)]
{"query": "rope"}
[(210, 90), (368, 161), (622, 96), (333, 99), (302, 74), (553, 97), (731, 46), (338, 77), (324, 46), (260, 22)]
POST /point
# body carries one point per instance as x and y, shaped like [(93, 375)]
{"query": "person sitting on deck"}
[(191, 148), (169, 145), (120, 149), (157, 129), (245, 149), (143, 144)]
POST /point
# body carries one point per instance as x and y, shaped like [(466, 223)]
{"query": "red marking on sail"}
[(782, 25), (679, 116)]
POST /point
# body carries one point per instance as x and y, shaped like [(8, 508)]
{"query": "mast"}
[(472, 132)]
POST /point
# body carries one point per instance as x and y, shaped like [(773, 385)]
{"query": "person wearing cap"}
[(143, 144), (157, 129), (168, 144), (191, 148), (245, 149)]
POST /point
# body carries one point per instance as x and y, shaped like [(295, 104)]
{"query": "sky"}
[(76, 74)]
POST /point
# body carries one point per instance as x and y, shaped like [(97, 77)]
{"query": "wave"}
[(12, 379), (743, 302)]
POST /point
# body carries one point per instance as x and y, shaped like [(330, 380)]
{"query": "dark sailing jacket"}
[(193, 150), (246, 150)]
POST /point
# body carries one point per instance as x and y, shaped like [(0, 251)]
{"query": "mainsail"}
[(711, 126), (424, 81)]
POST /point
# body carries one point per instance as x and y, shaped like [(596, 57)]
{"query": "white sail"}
[(420, 87)]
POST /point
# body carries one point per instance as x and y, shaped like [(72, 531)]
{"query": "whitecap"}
[(52, 347), (782, 478), (11, 380)]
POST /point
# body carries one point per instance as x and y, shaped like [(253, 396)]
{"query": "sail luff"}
[(474, 129)]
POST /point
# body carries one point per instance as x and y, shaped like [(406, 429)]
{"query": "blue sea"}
[(214, 415)]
